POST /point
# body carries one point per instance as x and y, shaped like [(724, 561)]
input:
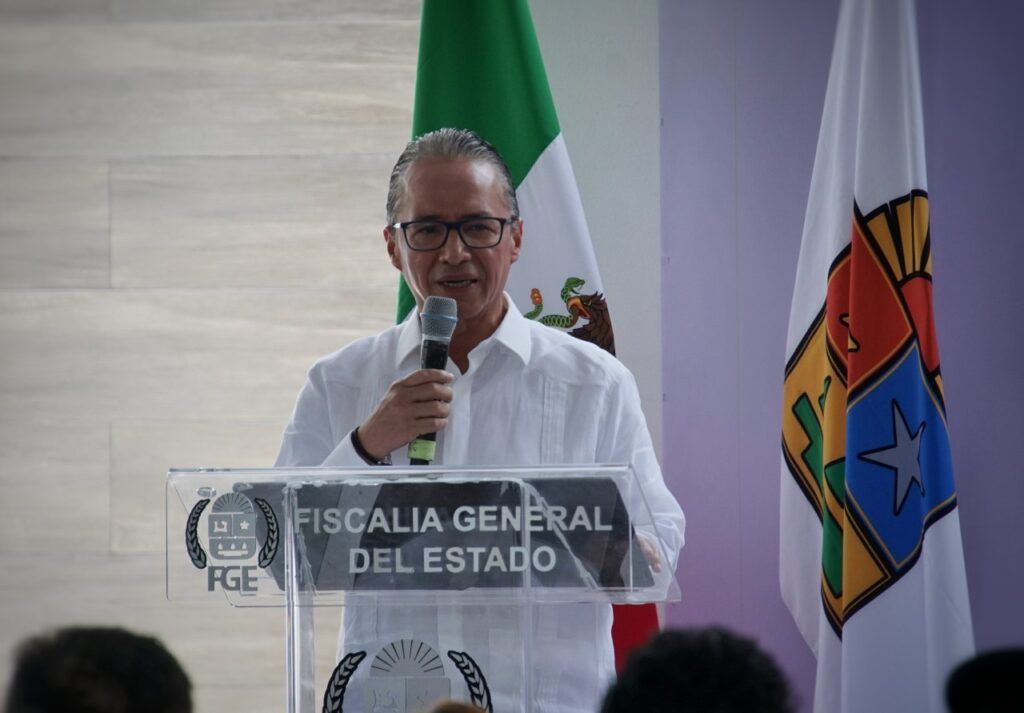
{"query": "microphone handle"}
[(433, 355)]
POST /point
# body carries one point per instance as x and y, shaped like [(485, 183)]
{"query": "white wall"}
[(602, 63), (191, 196)]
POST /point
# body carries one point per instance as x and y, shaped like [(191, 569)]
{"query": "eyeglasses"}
[(475, 233)]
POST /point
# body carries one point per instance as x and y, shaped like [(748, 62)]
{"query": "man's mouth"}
[(457, 283)]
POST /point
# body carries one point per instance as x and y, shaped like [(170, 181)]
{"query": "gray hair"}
[(450, 144)]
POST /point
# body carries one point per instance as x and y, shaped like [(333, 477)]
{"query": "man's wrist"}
[(366, 455)]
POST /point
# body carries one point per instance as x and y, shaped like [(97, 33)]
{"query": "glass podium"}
[(487, 585)]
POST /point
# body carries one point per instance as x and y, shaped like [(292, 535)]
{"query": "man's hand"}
[(650, 550), (417, 404)]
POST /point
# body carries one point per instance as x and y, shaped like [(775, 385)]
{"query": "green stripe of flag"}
[(480, 68)]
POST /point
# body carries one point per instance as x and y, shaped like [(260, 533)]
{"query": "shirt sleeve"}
[(625, 439), (308, 439)]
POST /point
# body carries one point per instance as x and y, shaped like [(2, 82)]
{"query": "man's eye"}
[(426, 230), (482, 227)]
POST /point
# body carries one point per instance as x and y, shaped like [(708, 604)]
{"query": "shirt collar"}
[(513, 333), (409, 338)]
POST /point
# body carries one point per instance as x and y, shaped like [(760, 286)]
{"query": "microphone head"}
[(438, 318)]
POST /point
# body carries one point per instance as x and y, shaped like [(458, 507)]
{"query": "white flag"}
[(871, 557)]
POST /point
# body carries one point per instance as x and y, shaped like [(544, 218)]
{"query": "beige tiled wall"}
[(191, 196)]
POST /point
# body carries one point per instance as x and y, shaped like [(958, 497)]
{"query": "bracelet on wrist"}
[(364, 454)]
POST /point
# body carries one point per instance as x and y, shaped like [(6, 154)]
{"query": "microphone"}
[(437, 322)]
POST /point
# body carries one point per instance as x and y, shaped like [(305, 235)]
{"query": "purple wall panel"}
[(699, 247), (742, 86), (972, 65), (737, 150), (782, 69)]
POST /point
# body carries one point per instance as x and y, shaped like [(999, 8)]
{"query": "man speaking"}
[(514, 392)]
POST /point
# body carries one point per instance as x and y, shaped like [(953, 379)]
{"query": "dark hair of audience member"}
[(701, 671), (987, 683), (97, 670), (454, 707)]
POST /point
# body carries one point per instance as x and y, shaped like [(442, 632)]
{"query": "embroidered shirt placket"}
[(553, 420)]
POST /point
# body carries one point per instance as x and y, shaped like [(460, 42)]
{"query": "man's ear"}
[(517, 239), (391, 238)]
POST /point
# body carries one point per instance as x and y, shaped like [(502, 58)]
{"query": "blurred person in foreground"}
[(455, 707), (97, 670), (699, 671), (987, 683)]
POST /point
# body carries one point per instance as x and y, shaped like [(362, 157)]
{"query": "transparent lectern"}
[(487, 585)]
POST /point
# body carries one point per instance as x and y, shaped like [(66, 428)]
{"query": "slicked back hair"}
[(448, 144)]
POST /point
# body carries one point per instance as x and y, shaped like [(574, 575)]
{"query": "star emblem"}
[(902, 457), (243, 526)]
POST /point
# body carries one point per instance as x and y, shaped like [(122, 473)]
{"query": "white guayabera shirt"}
[(532, 395)]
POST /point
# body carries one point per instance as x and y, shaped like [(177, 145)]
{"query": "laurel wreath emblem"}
[(479, 693), (335, 693), (269, 548), (195, 549)]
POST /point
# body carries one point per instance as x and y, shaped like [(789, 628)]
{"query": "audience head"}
[(454, 707), (97, 670), (987, 683), (700, 671)]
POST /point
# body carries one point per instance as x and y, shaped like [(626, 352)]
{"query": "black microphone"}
[(437, 322)]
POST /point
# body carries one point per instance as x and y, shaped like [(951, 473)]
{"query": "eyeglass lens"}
[(475, 233)]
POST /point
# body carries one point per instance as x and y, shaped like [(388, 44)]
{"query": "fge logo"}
[(231, 537)]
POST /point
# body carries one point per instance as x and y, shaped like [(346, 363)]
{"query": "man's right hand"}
[(417, 404)]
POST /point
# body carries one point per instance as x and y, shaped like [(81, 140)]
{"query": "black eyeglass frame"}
[(455, 225)]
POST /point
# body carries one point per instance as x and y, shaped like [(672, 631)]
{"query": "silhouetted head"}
[(700, 671), (97, 670)]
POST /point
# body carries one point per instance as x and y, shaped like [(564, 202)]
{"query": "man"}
[(97, 670), (515, 392), (699, 671)]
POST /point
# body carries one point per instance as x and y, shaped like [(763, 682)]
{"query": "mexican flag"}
[(872, 564), (480, 68)]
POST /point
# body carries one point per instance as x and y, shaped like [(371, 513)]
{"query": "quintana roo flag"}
[(871, 559), (480, 68)]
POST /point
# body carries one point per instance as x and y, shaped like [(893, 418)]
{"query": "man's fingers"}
[(430, 409), (425, 376), (651, 551), (416, 404), (429, 392), (431, 425), (423, 385)]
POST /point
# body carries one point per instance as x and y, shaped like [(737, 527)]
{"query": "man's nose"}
[(454, 251)]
